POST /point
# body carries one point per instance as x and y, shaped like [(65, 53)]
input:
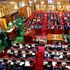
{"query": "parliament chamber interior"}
[(34, 34)]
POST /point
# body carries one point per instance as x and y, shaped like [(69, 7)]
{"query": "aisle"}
[(40, 58)]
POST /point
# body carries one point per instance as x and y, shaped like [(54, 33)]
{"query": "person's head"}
[(64, 53), (68, 45), (5, 61), (0, 62), (50, 62), (58, 63)]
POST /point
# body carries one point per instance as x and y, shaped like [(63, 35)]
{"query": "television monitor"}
[(21, 4), (50, 1)]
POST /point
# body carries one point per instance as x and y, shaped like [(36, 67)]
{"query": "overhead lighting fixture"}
[(16, 7), (58, 3), (23, 4), (34, 0), (42, 2), (30, 2), (12, 2)]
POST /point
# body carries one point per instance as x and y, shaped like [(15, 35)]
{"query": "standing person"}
[(1, 66), (9, 42), (2, 36), (18, 31), (50, 66), (58, 66)]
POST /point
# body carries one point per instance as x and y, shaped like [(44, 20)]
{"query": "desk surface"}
[(52, 37), (41, 36), (55, 37)]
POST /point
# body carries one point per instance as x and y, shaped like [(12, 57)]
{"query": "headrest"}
[(52, 45), (33, 53), (21, 63), (27, 63), (23, 51), (63, 63), (9, 51), (24, 55), (33, 45), (53, 53), (18, 61), (16, 51), (12, 63), (29, 46), (54, 63), (20, 45)]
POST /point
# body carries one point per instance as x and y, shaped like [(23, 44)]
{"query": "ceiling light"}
[(42, 2)]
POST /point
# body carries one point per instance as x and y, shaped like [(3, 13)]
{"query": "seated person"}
[(49, 47), (67, 65), (68, 47), (1, 65), (33, 54), (68, 56), (19, 54), (64, 55), (45, 55), (27, 63), (15, 45), (49, 66), (9, 41), (58, 66), (45, 65), (59, 48)]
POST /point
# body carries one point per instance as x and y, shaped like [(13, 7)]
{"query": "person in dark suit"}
[(18, 31), (49, 66), (2, 36), (1, 66), (9, 41)]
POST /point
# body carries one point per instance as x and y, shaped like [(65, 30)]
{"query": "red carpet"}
[(40, 58), (43, 31)]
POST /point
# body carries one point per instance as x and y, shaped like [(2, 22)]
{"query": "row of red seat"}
[(63, 17)]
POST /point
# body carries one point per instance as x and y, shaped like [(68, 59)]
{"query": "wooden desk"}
[(29, 35), (55, 37), (11, 33)]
